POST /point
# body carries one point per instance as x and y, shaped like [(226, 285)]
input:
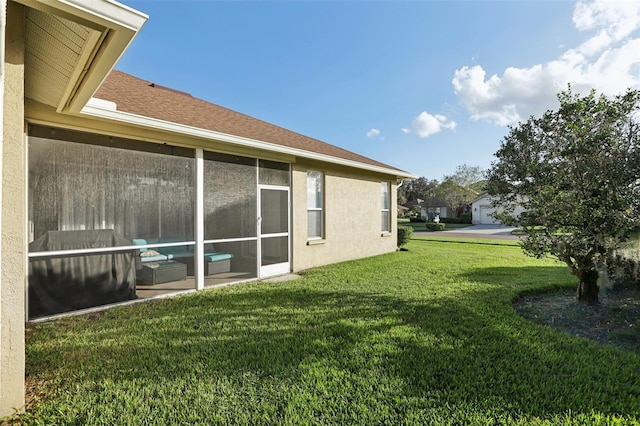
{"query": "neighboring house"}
[(413, 207), (481, 210), (130, 184), (413, 203), (433, 207)]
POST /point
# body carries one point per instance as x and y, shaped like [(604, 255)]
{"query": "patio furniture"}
[(163, 271), (66, 283), (214, 263), (147, 255)]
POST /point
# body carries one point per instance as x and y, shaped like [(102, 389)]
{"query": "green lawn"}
[(427, 336)]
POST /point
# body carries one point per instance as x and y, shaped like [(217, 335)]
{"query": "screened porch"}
[(113, 219)]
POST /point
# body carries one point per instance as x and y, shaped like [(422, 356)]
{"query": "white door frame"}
[(278, 268)]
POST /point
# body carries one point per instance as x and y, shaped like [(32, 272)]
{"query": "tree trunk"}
[(588, 288)]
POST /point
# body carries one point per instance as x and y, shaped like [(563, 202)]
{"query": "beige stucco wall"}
[(14, 236), (352, 215)]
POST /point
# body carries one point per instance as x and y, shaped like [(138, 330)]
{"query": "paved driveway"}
[(498, 232)]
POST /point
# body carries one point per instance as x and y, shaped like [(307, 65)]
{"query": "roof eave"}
[(118, 24), (102, 109)]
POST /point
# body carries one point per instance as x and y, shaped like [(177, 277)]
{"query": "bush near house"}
[(433, 226), (404, 235), (465, 219), (416, 219)]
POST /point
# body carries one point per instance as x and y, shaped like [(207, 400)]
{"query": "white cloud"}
[(426, 124), (608, 61), (373, 133), (618, 19), (405, 130)]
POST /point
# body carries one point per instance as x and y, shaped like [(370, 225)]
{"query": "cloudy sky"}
[(420, 85)]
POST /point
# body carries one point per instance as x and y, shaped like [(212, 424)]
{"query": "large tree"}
[(576, 171), (421, 188), (461, 187)]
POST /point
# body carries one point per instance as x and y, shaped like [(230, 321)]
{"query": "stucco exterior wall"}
[(352, 216), (14, 235)]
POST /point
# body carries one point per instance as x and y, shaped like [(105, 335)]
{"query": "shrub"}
[(432, 226), (404, 235), (465, 218), (416, 219), (449, 220)]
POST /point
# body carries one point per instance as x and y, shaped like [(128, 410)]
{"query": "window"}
[(315, 189), (386, 207)]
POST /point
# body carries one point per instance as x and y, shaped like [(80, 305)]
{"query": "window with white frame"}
[(386, 207), (315, 196)]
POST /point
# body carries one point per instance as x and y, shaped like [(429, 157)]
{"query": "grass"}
[(427, 336)]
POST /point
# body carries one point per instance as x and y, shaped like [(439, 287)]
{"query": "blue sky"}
[(424, 86)]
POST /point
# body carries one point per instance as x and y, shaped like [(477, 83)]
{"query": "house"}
[(482, 208), (431, 208), (413, 206), (113, 186)]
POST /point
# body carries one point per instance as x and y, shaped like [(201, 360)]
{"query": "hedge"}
[(433, 226), (404, 235)]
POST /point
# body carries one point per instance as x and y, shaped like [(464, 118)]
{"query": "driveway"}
[(497, 232)]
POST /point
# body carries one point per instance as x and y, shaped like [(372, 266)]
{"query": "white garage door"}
[(485, 219)]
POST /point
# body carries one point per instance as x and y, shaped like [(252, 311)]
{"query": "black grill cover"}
[(62, 284)]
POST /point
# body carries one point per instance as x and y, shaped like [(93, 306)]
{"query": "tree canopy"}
[(457, 189), (421, 188), (576, 171), (460, 188)]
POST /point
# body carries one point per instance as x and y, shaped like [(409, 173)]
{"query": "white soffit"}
[(71, 46), (56, 50)]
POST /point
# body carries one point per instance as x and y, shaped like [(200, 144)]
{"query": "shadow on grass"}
[(341, 356), (523, 278), (473, 241)]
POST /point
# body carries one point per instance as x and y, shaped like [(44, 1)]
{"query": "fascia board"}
[(112, 48), (480, 197), (110, 13), (100, 109), (102, 13)]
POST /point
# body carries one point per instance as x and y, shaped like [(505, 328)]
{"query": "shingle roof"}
[(431, 202), (137, 96)]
